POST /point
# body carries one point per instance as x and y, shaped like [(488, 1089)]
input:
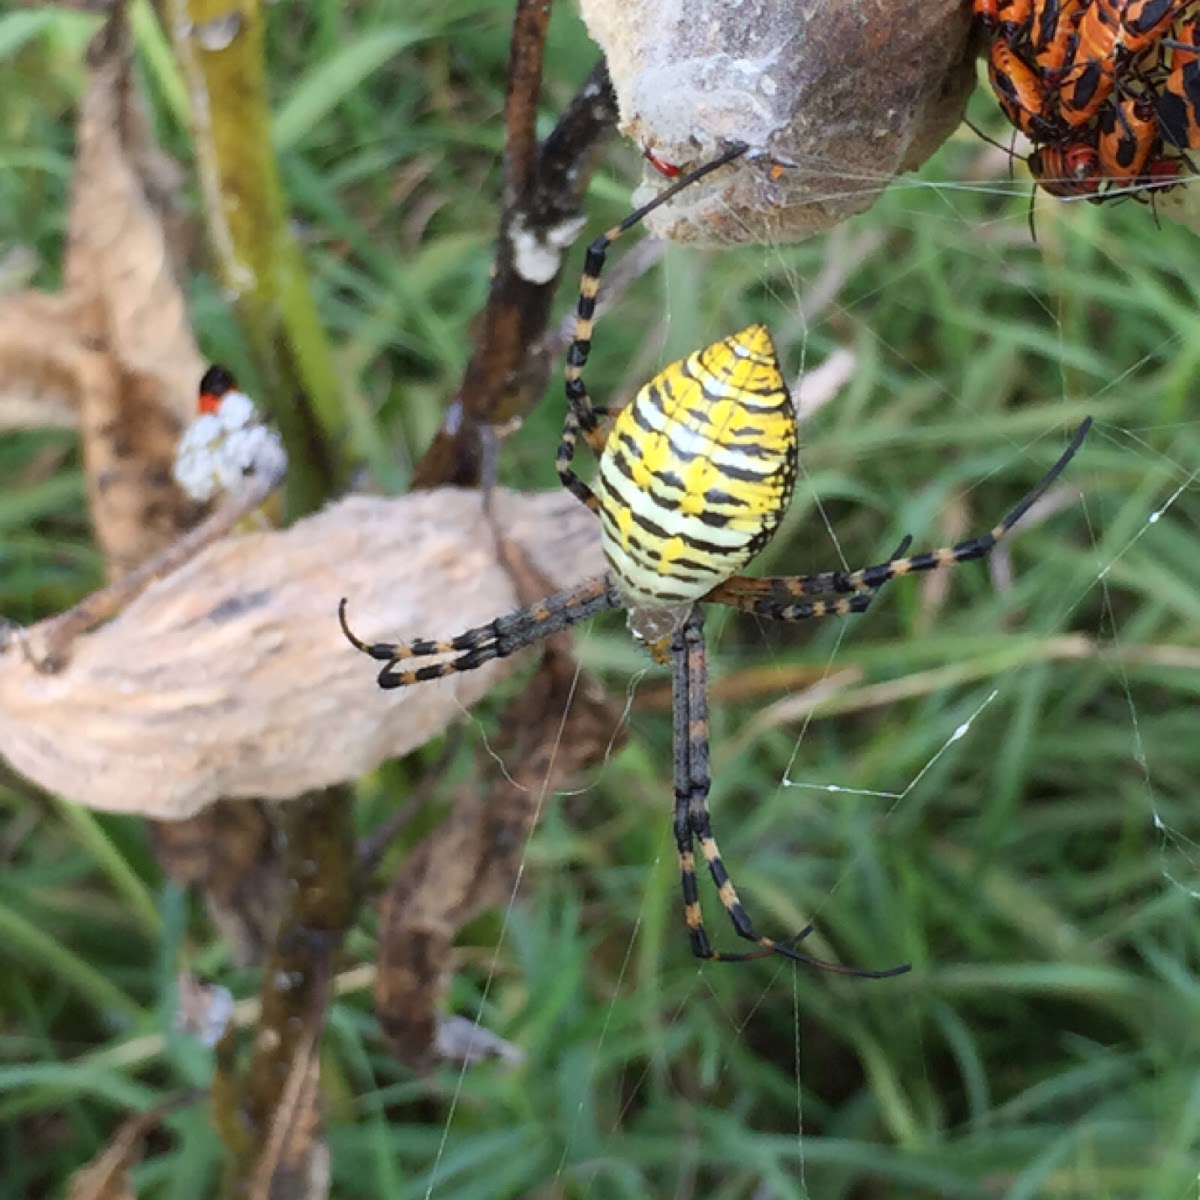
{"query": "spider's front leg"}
[(693, 824), (496, 639), (566, 456), (583, 418)]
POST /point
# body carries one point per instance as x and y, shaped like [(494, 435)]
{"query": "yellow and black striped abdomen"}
[(698, 471)]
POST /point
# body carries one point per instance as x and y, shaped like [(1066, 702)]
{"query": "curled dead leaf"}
[(107, 1176), (231, 678), (44, 366), (122, 281), (114, 354), (123, 233)]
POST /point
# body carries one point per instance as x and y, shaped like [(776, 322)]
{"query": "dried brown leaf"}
[(114, 355), (231, 678), (44, 367), (127, 300), (106, 1177), (122, 243)]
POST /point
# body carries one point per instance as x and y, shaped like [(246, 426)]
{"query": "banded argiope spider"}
[(694, 476)]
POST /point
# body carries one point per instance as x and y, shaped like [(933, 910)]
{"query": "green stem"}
[(221, 50)]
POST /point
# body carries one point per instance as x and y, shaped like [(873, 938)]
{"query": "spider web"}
[(1102, 633)]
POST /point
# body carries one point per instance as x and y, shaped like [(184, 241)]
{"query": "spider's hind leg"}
[(779, 598), (966, 551), (693, 824)]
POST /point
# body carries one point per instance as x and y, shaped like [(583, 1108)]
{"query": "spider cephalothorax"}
[(695, 474)]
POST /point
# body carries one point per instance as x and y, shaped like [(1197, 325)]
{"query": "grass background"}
[(1040, 874)]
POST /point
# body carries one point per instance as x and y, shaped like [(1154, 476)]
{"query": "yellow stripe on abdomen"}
[(698, 471)]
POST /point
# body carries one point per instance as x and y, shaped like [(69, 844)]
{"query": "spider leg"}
[(572, 427), (768, 597), (692, 823), (496, 639), (774, 598), (566, 454), (582, 418)]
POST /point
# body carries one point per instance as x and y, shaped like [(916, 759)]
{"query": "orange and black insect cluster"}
[(1108, 91)]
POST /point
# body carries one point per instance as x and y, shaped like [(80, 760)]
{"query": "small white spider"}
[(226, 442)]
